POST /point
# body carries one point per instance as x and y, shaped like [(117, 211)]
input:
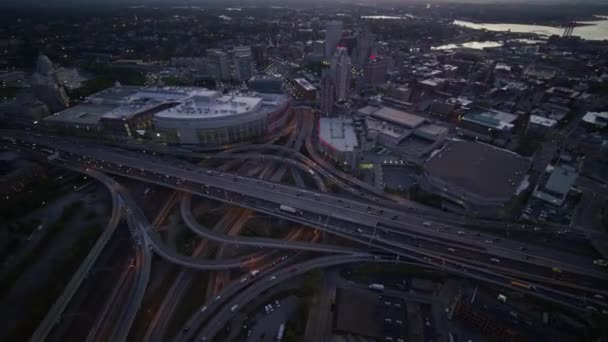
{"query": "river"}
[(593, 30)]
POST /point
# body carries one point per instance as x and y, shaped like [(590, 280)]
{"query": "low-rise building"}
[(491, 126), (556, 184), (301, 89), (407, 135), (596, 120), (338, 140), (539, 126)]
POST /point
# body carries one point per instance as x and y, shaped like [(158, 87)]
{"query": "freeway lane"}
[(206, 233)]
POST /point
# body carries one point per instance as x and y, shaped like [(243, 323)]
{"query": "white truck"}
[(376, 287), (288, 209)]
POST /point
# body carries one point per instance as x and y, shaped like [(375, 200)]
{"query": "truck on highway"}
[(288, 209), (520, 284), (234, 307), (281, 332), (376, 287)]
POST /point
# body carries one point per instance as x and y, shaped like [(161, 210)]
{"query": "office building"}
[(234, 63), (218, 64), (376, 70), (333, 34), (327, 94), (266, 84), (364, 49), (341, 72)]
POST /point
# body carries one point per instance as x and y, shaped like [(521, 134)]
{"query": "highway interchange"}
[(413, 233)]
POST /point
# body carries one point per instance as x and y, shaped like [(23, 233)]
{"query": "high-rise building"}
[(259, 55), (365, 48), (233, 63), (341, 72), (333, 33), (327, 92), (376, 70), (242, 63), (218, 64), (318, 47)]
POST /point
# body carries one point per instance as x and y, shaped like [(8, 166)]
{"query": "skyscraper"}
[(333, 33), (365, 48), (341, 72), (327, 92)]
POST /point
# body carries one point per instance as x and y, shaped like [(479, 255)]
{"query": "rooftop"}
[(85, 114), (339, 133), (398, 117), (305, 84), (213, 106), (493, 119), (368, 110), (541, 120), (557, 185), (482, 169), (599, 119)]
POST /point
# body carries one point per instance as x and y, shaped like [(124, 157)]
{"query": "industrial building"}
[(407, 135), (475, 178)]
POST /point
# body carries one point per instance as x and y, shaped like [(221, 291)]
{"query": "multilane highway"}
[(352, 219), (330, 213)]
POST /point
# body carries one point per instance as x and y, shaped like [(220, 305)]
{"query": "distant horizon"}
[(72, 3)]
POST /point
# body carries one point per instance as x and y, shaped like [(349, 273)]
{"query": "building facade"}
[(341, 72), (333, 34)]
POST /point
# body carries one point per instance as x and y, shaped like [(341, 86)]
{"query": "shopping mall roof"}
[(479, 168)]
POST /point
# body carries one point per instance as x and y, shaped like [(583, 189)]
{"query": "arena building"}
[(476, 178), (213, 120), (175, 115)]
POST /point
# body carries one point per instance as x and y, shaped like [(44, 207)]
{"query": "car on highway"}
[(600, 262), (218, 298), (204, 308), (273, 278), (495, 260)]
